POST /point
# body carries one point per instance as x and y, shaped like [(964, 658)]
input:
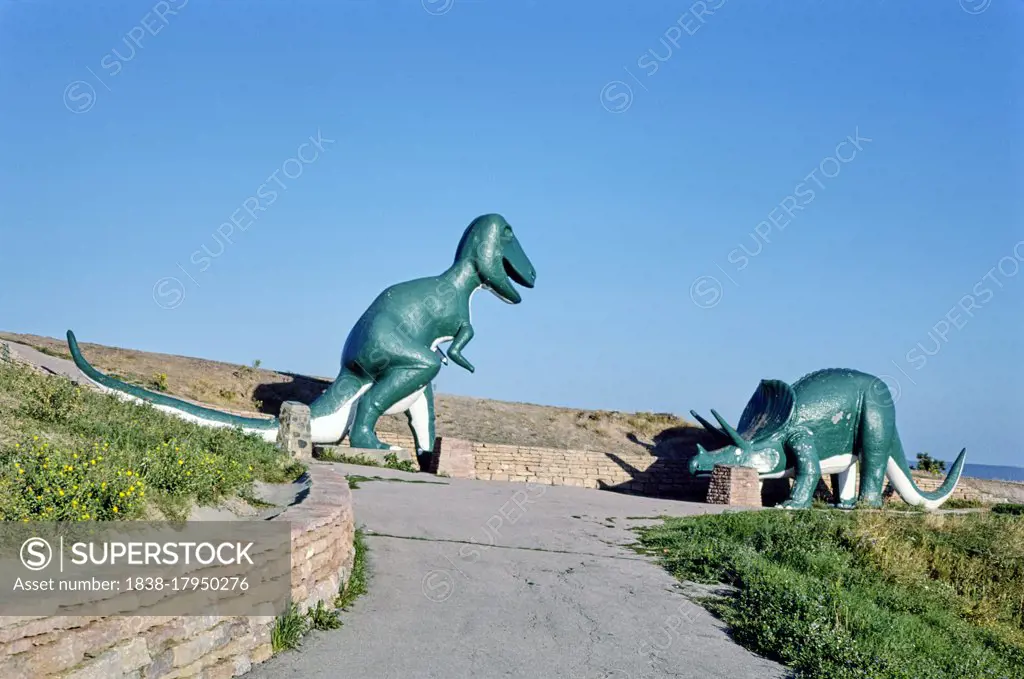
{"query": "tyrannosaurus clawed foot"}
[(364, 437)]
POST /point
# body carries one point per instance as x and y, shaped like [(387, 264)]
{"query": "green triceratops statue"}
[(832, 421)]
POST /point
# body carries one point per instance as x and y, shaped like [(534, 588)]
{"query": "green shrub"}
[(356, 585), (323, 618), (289, 628), (69, 484), (71, 453), (47, 399), (958, 503), (159, 382), (391, 461), (1008, 508)]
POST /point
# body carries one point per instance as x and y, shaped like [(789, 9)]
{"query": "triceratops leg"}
[(804, 459), (847, 487), (877, 427)]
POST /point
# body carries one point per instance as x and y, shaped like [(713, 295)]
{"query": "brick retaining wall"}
[(641, 473), (211, 647)]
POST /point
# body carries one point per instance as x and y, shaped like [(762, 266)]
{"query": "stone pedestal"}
[(734, 486), (294, 435), (453, 457)]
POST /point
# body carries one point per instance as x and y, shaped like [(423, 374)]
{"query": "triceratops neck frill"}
[(768, 410)]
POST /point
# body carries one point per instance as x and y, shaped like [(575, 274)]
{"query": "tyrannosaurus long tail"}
[(899, 475), (265, 428)]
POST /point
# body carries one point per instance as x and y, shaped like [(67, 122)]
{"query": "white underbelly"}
[(405, 403), (837, 463), (830, 465)]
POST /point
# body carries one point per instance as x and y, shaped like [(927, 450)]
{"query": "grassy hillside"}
[(73, 454), (248, 389), (864, 595)]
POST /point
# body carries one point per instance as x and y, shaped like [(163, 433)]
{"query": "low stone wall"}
[(639, 473), (212, 647)]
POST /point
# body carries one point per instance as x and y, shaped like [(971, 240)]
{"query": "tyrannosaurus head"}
[(497, 257), (759, 441)]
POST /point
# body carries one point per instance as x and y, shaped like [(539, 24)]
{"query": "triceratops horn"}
[(704, 423), (733, 434), (700, 450)]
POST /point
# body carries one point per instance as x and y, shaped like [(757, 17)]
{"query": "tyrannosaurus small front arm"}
[(459, 342)]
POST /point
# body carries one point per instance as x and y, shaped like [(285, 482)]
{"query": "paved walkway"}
[(53, 364), (490, 579)]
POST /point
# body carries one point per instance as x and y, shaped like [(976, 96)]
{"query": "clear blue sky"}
[(496, 106)]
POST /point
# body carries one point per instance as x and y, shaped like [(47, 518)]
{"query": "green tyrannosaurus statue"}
[(829, 422), (391, 355)]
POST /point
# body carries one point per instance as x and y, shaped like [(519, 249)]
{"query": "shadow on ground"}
[(300, 388), (669, 476)]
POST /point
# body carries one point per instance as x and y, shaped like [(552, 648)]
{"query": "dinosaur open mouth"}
[(517, 268), (507, 292), (524, 278)]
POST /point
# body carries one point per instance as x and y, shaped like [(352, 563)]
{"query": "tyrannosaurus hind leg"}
[(421, 420), (399, 381)]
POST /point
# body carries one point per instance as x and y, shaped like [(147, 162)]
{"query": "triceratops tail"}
[(900, 476), (265, 428)]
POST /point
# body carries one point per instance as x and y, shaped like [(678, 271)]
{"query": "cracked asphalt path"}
[(490, 579)]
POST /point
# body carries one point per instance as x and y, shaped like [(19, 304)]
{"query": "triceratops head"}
[(759, 441), (497, 257)]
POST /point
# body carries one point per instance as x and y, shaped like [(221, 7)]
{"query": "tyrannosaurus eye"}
[(507, 232)]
